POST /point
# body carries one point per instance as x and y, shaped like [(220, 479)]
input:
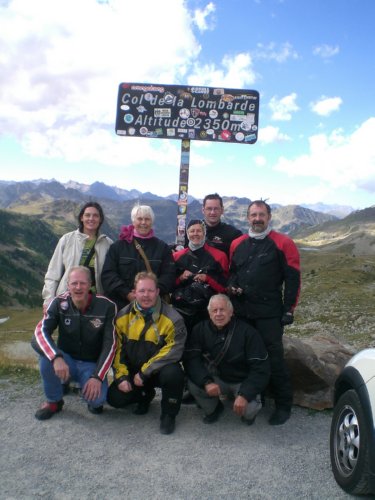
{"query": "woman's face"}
[(90, 220), (195, 234), (142, 224)]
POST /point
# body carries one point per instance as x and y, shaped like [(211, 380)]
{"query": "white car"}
[(352, 437)]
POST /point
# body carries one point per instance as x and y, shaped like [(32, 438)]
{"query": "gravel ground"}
[(77, 455)]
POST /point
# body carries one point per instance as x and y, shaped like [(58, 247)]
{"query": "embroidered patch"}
[(64, 305), (67, 321), (96, 323)]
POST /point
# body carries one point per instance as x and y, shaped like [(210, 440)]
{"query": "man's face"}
[(220, 312), (146, 293), (79, 286), (212, 212), (258, 218)]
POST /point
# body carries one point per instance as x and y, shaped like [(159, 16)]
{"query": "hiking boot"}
[(214, 416), (167, 424), (95, 410), (279, 416), (47, 410), (144, 403)]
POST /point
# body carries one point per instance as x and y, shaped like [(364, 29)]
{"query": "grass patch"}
[(19, 372)]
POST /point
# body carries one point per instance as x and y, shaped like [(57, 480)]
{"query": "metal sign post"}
[(187, 113)]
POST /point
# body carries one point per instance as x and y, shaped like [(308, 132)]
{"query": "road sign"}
[(187, 112)]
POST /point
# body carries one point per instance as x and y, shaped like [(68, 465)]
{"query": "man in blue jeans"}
[(85, 345)]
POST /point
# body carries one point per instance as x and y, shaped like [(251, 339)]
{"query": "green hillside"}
[(26, 244)]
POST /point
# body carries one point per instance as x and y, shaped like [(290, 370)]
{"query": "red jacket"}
[(268, 272)]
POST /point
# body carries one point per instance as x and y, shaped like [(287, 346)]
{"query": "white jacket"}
[(67, 254)]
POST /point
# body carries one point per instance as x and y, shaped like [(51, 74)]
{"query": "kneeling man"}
[(85, 346), (150, 341), (226, 357)]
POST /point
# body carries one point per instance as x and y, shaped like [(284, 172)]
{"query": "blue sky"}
[(311, 61)]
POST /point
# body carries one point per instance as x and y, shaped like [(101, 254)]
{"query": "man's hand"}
[(239, 406), (287, 319), (231, 290), (137, 380), (61, 369), (186, 275), (92, 389), (212, 389), (200, 278), (125, 386)]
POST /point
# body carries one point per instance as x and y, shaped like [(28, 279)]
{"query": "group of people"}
[(206, 321)]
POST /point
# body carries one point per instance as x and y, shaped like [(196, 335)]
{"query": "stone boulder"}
[(314, 365)]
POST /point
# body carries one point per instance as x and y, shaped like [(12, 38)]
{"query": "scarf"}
[(193, 247), (128, 233), (146, 313), (260, 236)]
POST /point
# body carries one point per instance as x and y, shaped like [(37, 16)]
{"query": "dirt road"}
[(77, 455)]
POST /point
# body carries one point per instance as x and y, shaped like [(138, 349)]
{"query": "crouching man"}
[(85, 346), (150, 341), (226, 357)]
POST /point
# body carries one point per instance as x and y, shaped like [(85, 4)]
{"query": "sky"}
[(312, 62)]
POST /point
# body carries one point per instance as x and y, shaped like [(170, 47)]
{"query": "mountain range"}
[(34, 214)]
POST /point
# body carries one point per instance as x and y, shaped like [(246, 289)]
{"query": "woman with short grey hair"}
[(136, 250)]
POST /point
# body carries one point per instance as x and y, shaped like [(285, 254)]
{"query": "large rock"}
[(314, 364)]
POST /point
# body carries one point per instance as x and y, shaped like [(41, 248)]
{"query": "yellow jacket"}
[(144, 346)]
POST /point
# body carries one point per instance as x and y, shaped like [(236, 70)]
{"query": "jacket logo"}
[(67, 321), (64, 305), (96, 323)]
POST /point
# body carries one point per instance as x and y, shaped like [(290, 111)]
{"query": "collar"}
[(260, 236)]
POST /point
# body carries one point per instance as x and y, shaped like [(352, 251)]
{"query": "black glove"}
[(287, 319)]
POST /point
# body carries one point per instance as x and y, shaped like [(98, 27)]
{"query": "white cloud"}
[(270, 134), (341, 161), (283, 108), (235, 72), (326, 51), (260, 161), (62, 74), (280, 54), (203, 17), (326, 105)]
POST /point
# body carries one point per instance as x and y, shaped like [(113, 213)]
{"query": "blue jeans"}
[(80, 371)]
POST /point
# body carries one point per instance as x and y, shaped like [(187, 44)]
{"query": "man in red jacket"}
[(264, 284)]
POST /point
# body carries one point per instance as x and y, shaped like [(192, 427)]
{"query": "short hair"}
[(84, 269), (89, 204), (142, 210), (259, 202), (220, 296), (213, 196), (145, 275)]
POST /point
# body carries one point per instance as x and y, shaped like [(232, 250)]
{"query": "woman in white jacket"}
[(84, 246)]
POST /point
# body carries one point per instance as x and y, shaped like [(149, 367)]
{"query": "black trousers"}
[(171, 381), (280, 385)]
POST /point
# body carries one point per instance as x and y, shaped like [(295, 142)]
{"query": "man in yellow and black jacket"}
[(150, 342)]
